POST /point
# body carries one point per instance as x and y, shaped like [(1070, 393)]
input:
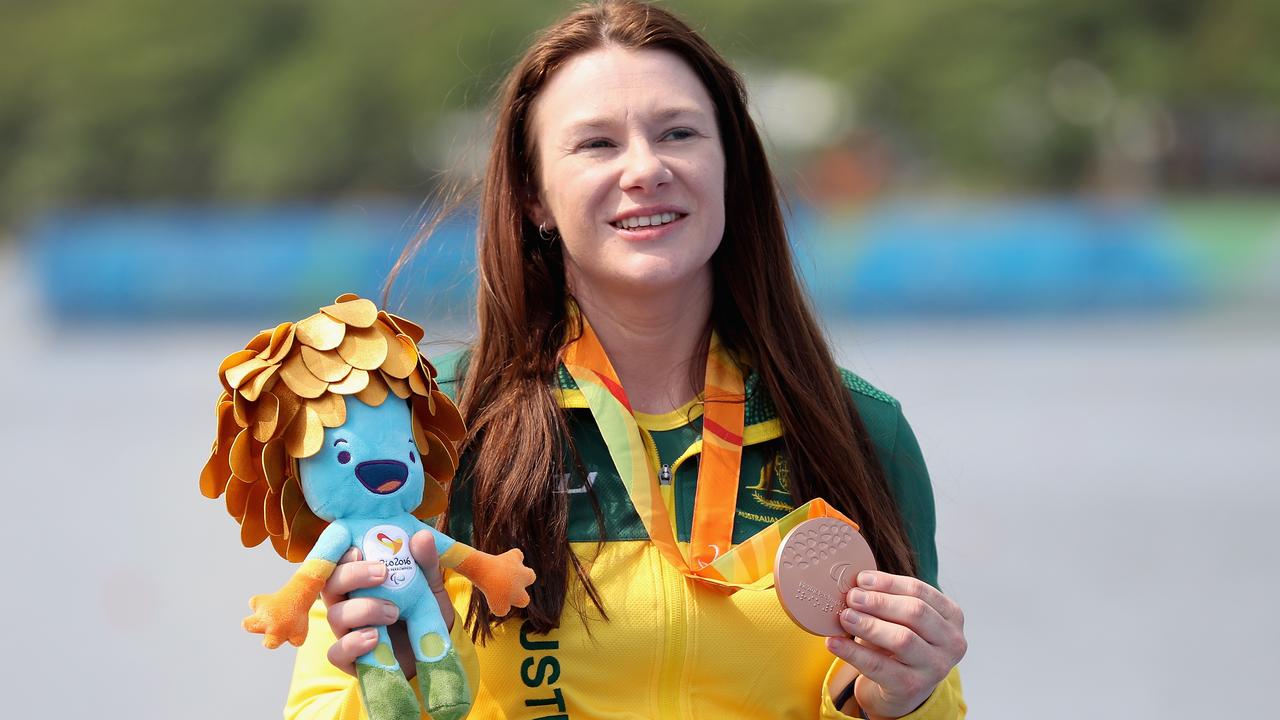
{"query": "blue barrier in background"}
[(898, 258), (1044, 256), (229, 262)]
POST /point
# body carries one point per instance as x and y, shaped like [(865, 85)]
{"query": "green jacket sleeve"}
[(908, 478), (904, 469)]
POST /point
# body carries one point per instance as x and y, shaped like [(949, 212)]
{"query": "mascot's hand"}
[(282, 615), (502, 578), (278, 617)]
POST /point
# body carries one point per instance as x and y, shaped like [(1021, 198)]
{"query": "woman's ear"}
[(537, 213), (536, 210)]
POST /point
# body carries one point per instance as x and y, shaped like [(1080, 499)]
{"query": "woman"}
[(630, 233)]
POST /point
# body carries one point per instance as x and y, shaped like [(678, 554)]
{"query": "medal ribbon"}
[(710, 560)]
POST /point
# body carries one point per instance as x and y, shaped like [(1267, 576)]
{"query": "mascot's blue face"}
[(368, 467)]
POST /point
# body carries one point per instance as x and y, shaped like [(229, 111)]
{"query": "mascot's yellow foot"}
[(387, 694), (444, 687)]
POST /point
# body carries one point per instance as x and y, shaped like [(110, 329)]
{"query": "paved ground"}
[(1106, 494)]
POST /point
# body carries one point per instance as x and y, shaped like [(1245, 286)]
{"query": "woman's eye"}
[(344, 457), (681, 134), (596, 144)]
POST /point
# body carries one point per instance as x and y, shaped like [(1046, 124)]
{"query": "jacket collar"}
[(761, 415)]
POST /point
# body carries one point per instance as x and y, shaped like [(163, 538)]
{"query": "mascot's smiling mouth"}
[(382, 477)]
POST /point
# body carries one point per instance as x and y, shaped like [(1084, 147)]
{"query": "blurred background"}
[(1052, 230)]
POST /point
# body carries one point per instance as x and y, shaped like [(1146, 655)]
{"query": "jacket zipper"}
[(671, 685)]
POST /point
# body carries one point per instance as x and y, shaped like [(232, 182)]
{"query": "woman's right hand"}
[(353, 620)]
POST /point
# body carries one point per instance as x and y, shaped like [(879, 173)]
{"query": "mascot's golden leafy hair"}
[(288, 385)]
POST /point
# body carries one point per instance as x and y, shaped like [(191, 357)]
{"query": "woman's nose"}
[(644, 169)]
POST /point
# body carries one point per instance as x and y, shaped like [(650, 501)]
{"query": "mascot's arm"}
[(502, 578), (282, 615)]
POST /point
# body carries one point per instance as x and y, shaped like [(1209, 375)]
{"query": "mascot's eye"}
[(412, 458), (344, 457)]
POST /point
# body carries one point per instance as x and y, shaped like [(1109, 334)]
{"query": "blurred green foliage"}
[(111, 100)]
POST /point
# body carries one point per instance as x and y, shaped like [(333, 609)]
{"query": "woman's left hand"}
[(909, 636)]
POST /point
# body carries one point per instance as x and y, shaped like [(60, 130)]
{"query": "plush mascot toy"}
[(332, 434)]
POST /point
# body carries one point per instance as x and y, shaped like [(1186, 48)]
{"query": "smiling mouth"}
[(382, 477), (644, 221)]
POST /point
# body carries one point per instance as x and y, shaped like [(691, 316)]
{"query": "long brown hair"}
[(518, 439)]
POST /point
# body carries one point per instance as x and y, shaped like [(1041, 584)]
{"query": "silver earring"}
[(545, 234)]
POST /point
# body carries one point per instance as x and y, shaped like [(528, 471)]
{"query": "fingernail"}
[(378, 572), (866, 579), (838, 645), (390, 612), (857, 597), (369, 635), (850, 617)]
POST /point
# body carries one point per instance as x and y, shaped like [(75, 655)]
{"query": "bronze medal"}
[(817, 564)]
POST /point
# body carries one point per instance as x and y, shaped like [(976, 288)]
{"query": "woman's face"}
[(630, 170)]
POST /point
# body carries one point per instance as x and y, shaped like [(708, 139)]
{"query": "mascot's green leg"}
[(442, 679), (387, 694)]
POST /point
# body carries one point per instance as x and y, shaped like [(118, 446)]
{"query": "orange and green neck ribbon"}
[(711, 559)]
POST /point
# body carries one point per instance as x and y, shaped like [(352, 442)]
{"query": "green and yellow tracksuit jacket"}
[(670, 648)]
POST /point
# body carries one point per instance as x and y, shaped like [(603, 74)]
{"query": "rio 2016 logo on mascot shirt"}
[(333, 434)]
